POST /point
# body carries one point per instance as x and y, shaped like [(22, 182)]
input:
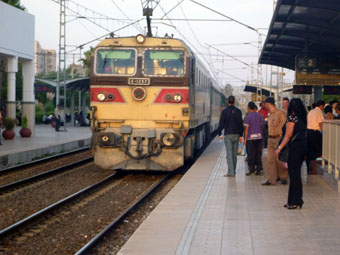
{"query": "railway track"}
[(93, 242), (27, 181), (23, 175), (44, 212), (66, 212)]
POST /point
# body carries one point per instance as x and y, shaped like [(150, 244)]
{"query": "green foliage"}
[(15, 3), (39, 113), (9, 123), (24, 122), (49, 107), (328, 98), (87, 60)]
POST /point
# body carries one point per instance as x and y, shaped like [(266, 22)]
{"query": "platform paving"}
[(46, 141), (207, 213)]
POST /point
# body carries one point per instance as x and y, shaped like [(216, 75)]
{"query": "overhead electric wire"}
[(83, 17), (173, 8), (228, 55), (234, 44), (126, 16), (166, 15), (88, 30), (156, 19), (232, 76), (236, 21), (117, 30)]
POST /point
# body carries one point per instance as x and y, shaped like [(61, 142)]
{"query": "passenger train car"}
[(153, 103)]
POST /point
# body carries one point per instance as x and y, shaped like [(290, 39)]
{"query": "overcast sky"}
[(255, 13)]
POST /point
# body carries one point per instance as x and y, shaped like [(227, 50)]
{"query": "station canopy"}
[(302, 27)]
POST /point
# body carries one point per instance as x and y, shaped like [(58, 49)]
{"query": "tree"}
[(14, 3), (87, 60)]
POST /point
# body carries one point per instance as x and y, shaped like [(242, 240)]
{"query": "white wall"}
[(16, 32)]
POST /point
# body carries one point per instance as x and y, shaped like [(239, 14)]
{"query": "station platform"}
[(45, 142), (207, 213)]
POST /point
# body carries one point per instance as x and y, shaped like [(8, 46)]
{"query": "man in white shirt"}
[(314, 136)]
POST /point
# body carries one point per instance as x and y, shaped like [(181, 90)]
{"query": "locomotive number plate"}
[(139, 81)]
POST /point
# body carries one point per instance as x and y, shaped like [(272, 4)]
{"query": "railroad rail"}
[(87, 247), (43, 212), (52, 172)]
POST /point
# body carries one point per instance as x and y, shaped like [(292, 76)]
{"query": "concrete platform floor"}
[(45, 136), (207, 213)]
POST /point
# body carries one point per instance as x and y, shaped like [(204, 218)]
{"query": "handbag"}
[(284, 153)]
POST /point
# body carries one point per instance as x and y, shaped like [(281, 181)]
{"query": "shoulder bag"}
[(284, 153)]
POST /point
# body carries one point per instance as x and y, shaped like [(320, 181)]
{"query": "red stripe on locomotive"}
[(167, 96), (117, 97)]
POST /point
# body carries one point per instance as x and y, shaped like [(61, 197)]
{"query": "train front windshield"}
[(116, 62), (164, 63)]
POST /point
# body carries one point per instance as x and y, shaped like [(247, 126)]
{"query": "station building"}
[(17, 34)]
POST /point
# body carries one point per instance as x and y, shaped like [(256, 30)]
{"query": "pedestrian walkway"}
[(207, 213), (45, 142)]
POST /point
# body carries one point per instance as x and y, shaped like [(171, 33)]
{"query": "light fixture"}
[(101, 97), (169, 139), (178, 98), (105, 138), (140, 38)]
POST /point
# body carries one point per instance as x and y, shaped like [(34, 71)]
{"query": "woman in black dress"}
[(295, 134)]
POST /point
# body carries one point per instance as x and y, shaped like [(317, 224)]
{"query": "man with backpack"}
[(231, 122)]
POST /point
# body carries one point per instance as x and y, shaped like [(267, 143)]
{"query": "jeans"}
[(231, 144)]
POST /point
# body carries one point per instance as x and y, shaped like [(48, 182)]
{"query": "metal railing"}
[(331, 147)]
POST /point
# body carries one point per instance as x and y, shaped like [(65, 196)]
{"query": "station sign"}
[(317, 70), (43, 88), (331, 90), (302, 90)]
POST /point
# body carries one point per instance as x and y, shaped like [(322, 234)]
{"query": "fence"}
[(331, 146)]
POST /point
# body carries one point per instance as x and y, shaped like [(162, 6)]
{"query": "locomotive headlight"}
[(140, 39), (178, 98), (101, 97), (105, 138), (169, 139)]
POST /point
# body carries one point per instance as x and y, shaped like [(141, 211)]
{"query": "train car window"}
[(116, 62), (164, 62)]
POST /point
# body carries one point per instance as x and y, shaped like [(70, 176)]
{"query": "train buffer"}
[(207, 213)]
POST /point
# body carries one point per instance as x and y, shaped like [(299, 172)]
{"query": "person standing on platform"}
[(334, 104), (60, 117), (276, 120), (337, 110), (253, 124), (285, 105), (231, 122), (295, 139), (314, 135), (264, 113), (328, 113)]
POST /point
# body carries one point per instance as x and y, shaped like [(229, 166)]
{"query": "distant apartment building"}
[(45, 60)]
